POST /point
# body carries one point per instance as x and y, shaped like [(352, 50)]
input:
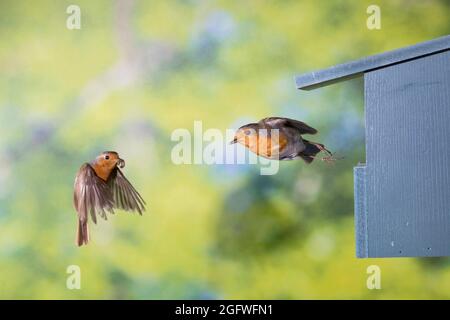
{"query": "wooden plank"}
[(361, 237), (357, 68), (407, 169)]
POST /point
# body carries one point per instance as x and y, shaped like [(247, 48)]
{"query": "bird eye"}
[(106, 157), (247, 132)]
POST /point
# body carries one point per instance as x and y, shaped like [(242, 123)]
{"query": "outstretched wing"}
[(91, 195), (125, 195), (277, 122)]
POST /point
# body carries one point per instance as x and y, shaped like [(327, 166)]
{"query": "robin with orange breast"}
[(100, 187), (286, 144)]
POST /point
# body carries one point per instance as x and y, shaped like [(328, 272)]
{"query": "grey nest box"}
[(402, 192)]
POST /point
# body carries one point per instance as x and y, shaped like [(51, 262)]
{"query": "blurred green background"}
[(136, 71)]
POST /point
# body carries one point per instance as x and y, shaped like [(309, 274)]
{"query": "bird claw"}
[(331, 158)]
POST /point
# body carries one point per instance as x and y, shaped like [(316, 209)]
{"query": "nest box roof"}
[(349, 70)]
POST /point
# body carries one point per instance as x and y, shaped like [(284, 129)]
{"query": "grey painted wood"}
[(360, 211), (357, 68), (406, 192)]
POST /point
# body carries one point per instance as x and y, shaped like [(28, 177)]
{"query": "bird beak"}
[(121, 163), (234, 141)]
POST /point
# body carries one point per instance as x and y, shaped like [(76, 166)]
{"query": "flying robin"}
[(100, 187), (286, 143)]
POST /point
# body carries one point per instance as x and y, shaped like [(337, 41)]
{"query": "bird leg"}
[(330, 158)]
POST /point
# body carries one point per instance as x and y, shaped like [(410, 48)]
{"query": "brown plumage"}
[(100, 187), (289, 145)]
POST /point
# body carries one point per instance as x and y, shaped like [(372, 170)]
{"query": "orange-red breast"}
[(100, 187), (288, 144)]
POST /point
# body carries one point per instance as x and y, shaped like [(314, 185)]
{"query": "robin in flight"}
[(287, 144), (100, 187)]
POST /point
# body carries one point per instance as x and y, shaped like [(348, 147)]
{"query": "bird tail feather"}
[(307, 159), (82, 233), (312, 148)]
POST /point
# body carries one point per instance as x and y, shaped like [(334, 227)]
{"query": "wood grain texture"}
[(407, 186), (357, 68), (359, 173)]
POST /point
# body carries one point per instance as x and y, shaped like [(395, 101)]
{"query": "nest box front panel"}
[(402, 203)]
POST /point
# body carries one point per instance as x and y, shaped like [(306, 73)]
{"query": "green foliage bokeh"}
[(136, 71)]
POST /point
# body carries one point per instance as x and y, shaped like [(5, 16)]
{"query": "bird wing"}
[(277, 122), (91, 195), (125, 195)]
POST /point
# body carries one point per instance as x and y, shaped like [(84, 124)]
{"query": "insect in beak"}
[(121, 163), (234, 141)]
